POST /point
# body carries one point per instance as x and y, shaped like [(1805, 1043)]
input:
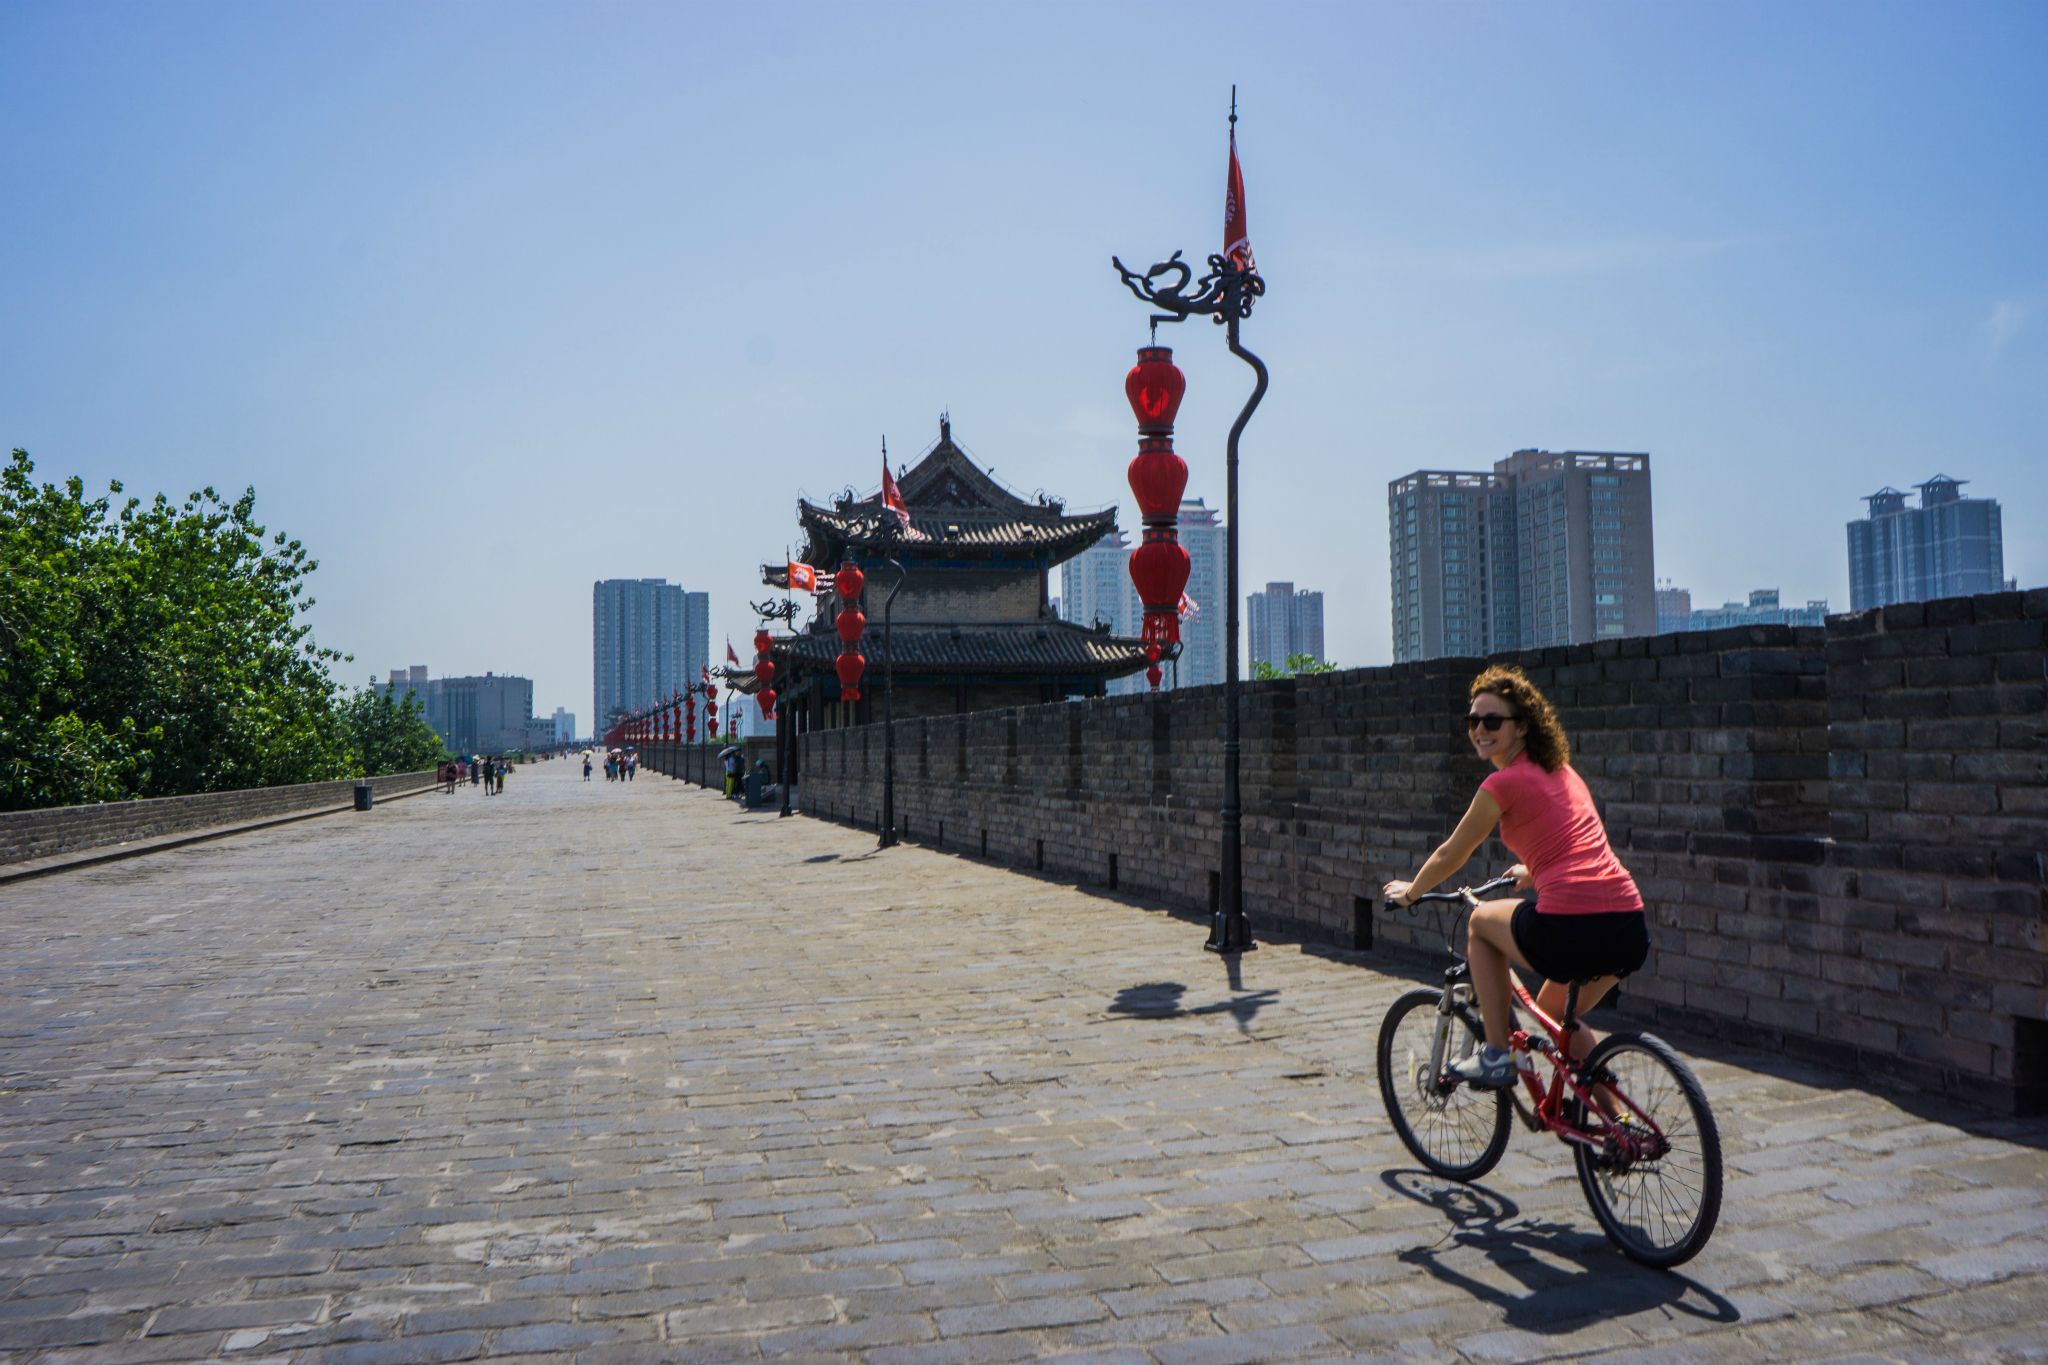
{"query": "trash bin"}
[(364, 793)]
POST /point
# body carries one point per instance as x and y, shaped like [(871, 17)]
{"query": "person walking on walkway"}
[(586, 767)]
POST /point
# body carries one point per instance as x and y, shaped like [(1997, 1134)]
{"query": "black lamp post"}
[(1225, 295), (892, 537)]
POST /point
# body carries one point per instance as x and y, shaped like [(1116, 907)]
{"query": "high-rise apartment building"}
[(1948, 546), (1201, 630), (1549, 548), (649, 639), (565, 725), (1451, 542), (1096, 587), (1281, 624)]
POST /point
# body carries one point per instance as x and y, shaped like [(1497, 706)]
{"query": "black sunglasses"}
[(1492, 723)]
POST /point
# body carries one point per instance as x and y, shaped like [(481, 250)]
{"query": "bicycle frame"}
[(1546, 1105)]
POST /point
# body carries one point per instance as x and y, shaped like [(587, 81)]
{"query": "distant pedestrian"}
[(632, 765), (733, 764), (586, 767), (502, 768), (476, 769)]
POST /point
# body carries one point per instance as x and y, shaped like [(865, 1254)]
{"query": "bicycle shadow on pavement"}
[(1572, 1276)]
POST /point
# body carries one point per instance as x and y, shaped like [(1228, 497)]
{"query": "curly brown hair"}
[(1545, 741)]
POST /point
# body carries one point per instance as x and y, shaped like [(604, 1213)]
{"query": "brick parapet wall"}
[(31, 834), (1839, 831)]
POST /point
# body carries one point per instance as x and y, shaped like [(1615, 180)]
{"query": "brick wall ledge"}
[(391, 787)]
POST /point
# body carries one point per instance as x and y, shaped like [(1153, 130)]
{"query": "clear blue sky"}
[(489, 301)]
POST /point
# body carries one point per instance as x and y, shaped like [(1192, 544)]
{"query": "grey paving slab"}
[(620, 1072)]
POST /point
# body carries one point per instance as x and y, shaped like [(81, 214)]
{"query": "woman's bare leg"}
[(1490, 948)]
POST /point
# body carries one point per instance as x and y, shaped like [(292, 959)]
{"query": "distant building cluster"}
[(1548, 548), (1948, 546), (1284, 624), (492, 714), (1675, 612), (649, 640)]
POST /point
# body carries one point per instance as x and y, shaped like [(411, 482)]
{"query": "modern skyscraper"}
[(1948, 546), (1451, 542), (649, 638), (1549, 548), (1201, 631), (1282, 623), (565, 725), (1095, 586)]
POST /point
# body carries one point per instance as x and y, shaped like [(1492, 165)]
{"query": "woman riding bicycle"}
[(1584, 919)]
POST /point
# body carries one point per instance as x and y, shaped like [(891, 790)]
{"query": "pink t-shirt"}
[(1548, 821)]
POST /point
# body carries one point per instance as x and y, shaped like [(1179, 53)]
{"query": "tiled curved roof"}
[(945, 529), (1004, 647)]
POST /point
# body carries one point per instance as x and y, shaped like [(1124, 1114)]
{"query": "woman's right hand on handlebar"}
[(1396, 893), (1520, 872)]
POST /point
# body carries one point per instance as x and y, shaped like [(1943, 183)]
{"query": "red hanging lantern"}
[(690, 717), (762, 639), (1158, 477), (766, 697), (850, 622), (1155, 387), (765, 670), (850, 580), (849, 666), (1159, 569)]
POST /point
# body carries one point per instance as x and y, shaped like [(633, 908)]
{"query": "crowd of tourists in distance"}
[(477, 771), (619, 765)]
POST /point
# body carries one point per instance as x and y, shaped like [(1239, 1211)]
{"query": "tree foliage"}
[(1296, 665), (389, 734), (156, 649)]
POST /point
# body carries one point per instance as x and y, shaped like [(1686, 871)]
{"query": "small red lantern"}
[(765, 670), (850, 580), (849, 666), (1155, 387), (766, 696), (850, 623), (762, 639)]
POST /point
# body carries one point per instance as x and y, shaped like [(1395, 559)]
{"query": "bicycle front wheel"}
[(1656, 1199), (1456, 1130)]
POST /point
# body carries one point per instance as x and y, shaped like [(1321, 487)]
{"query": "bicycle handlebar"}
[(1480, 892)]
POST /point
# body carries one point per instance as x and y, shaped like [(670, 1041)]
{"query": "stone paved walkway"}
[(624, 1073)]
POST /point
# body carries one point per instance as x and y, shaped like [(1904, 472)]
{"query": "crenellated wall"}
[(1840, 830)]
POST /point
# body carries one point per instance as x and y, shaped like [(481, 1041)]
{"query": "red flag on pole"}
[(731, 657), (892, 496), (705, 669), (802, 577), (1237, 242)]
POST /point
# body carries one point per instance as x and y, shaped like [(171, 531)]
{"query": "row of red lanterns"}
[(1158, 477), (850, 623)]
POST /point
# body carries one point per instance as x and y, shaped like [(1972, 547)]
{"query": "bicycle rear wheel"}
[(1657, 1201), (1455, 1130)]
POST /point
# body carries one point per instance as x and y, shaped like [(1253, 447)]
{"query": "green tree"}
[(154, 649), (389, 734), (1296, 665)]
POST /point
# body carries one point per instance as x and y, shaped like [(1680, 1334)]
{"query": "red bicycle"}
[(1647, 1150)]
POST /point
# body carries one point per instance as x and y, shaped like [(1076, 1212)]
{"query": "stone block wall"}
[(1840, 831), (29, 834)]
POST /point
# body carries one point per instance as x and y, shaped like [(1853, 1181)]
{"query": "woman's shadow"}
[(1571, 1275)]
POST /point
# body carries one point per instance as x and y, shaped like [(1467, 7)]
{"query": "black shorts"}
[(1579, 947)]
